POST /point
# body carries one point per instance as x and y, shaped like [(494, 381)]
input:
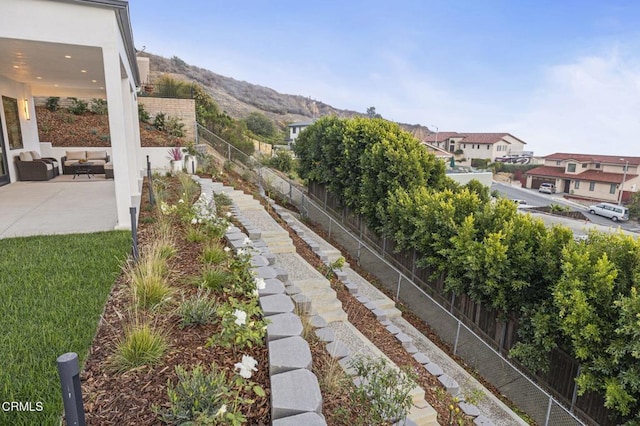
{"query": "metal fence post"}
[(134, 233), (575, 390), (152, 198), (546, 421), (69, 372), (455, 345), (399, 281), (229, 152), (358, 257), (330, 221)]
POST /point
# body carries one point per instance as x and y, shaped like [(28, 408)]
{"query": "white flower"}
[(241, 317), (227, 249), (194, 221), (246, 367), (242, 252), (180, 200), (260, 284), (221, 410), (228, 214), (247, 241)]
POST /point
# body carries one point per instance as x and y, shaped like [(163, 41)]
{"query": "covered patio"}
[(57, 206), (81, 49)]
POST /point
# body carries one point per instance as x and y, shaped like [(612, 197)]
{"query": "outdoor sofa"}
[(31, 166), (97, 159)]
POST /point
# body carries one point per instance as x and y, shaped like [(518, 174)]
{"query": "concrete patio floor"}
[(58, 206)]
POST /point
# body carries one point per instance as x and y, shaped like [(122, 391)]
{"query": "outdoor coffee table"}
[(82, 169)]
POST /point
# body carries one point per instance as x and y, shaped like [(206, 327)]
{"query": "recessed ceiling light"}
[(101, 88), (67, 56), (55, 85), (94, 81), (83, 70), (39, 78), (16, 66)]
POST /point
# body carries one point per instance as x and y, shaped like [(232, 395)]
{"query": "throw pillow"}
[(36, 155), (26, 156)]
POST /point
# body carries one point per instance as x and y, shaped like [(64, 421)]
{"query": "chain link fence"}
[(490, 364)]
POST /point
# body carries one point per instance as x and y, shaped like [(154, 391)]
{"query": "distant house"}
[(598, 177), (482, 146), (295, 129)]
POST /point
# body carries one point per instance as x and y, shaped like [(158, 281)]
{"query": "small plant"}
[(197, 310), (143, 115), (195, 234), (334, 266), (148, 278), (99, 106), (53, 103), (215, 279), (93, 131), (175, 154), (78, 106), (174, 126), (557, 208), (189, 188), (383, 391), (242, 325), (159, 121), (201, 398), (141, 345), (213, 254)]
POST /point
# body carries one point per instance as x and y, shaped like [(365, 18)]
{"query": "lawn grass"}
[(52, 293)]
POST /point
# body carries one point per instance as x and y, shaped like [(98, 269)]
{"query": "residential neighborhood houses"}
[(587, 176)]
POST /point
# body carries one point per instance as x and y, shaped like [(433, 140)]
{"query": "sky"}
[(561, 75)]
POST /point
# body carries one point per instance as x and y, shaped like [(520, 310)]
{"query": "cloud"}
[(588, 106)]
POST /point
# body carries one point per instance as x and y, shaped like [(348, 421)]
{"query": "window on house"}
[(592, 186), (571, 167), (584, 165), (576, 185), (558, 162), (488, 146), (294, 130), (597, 165), (464, 146), (625, 168), (612, 188)]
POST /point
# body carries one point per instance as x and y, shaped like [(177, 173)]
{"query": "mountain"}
[(240, 98)]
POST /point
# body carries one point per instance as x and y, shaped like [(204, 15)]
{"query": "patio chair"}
[(50, 160), (31, 169)]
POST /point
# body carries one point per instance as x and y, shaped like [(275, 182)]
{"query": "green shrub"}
[(141, 345), (480, 163), (195, 234), (199, 309), (159, 121), (213, 254), (383, 391), (143, 115), (53, 102), (99, 106), (78, 106), (174, 126), (215, 279), (282, 161)]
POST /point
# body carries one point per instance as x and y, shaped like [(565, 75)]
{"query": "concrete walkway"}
[(311, 292), (57, 207)]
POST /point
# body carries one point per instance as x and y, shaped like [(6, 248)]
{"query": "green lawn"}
[(52, 293)]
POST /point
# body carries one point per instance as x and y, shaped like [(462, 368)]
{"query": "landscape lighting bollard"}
[(69, 372), (134, 233)]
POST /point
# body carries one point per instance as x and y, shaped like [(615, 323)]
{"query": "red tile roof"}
[(590, 175), (480, 138), (593, 158)]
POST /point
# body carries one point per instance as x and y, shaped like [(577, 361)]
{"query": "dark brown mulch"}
[(64, 129), (127, 398)]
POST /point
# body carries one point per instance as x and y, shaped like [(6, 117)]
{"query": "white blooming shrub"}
[(243, 325)]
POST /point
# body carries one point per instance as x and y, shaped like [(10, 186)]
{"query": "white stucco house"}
[(295, 129), (482, 146), (79, 48)]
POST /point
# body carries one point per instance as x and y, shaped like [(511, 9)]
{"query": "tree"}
[(371, 113), (260, 125)]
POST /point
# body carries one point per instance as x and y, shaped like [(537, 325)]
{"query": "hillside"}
[(240, 98)]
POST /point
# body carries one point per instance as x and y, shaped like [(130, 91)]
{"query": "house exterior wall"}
[(184, 109), (28, 128)]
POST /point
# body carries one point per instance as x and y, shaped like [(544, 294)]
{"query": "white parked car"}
[(547, 188), (612, 211)]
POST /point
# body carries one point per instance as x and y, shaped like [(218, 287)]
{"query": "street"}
[(533, 198)]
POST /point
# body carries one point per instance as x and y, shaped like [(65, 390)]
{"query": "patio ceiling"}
[(54, 69)]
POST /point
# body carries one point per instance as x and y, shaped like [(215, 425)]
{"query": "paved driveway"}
[(57, 207)]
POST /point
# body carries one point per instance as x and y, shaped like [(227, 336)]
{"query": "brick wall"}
[(184, 109)]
